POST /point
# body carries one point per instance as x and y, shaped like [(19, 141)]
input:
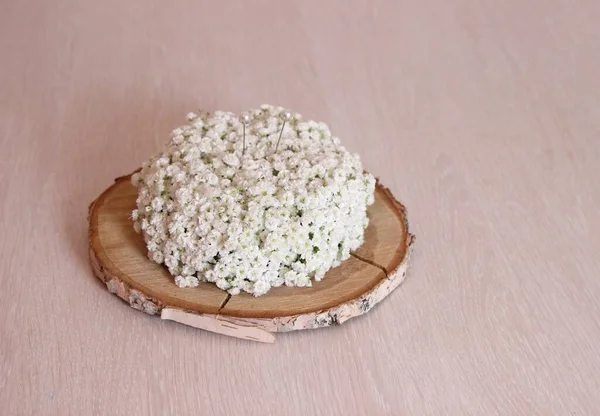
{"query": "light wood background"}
[(482, 116)]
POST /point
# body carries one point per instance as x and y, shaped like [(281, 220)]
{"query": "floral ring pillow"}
[(252, 204)]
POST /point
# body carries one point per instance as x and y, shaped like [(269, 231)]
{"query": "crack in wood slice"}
[(387, 241), (371, 262), (118, 258), (225, 302)]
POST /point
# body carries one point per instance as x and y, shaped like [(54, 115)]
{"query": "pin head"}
[(245, 118), (286, 116)]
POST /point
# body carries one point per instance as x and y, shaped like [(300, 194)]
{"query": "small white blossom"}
[(158, 257), (186, 281), (254, 221)]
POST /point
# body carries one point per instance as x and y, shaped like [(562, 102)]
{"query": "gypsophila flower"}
[(249, 222)]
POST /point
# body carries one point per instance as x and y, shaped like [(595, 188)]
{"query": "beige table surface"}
[(482, 116)]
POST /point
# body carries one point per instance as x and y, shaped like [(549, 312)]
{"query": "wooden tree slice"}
[(118, 258)]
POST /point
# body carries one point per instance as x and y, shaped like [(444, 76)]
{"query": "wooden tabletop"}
[(482, 117)]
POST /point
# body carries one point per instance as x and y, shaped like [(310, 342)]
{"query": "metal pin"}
[(244, 119), (285, 116)]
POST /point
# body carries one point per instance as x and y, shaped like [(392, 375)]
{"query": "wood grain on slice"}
[(118, 258), (341, 284), (387, 239)]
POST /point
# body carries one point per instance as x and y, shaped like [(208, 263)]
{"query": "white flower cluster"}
[(251, 218)]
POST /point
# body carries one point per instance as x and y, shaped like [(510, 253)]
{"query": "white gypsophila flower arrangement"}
[(226, 207)]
